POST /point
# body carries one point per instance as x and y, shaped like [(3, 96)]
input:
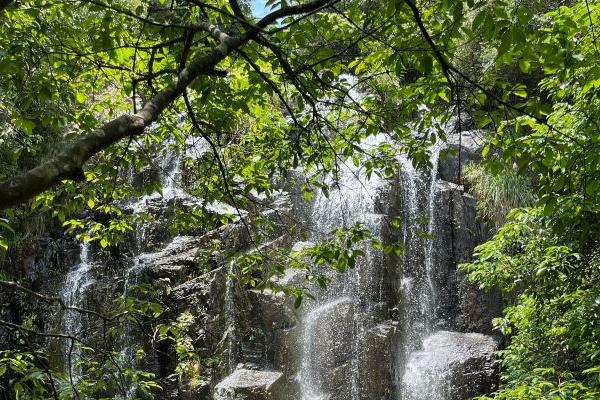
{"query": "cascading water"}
[(316, 326), (429, 242), (414, 296), (335, 322), (418, 289), (419, 376), (334, 331), (73, 292), (169, 176)]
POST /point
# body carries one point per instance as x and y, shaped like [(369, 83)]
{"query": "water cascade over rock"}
[(395, 326), (77, 281)]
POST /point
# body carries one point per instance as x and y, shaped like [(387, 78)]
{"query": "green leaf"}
[(524, 65), (298, 299), (4, 224), (444, 96), (26, 126), (425, 64), (478, 20), (80, 97)]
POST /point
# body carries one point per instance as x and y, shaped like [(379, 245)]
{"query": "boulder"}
[(245, 384), (451, 366)]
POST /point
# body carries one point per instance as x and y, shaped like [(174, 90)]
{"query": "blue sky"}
[(258, 8)]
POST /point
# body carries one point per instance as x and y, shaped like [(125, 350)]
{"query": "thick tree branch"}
[(68, 164)]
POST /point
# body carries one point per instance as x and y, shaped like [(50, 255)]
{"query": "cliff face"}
[(399, 326)]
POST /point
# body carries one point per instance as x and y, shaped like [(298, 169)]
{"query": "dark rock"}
[(476, 307), (377, 380), (464, 305), (175, 261)]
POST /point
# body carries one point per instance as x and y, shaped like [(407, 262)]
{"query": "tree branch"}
[(53, 299), (68, 164), (436, 51)]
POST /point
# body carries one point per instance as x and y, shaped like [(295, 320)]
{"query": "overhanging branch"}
[(68, 164)]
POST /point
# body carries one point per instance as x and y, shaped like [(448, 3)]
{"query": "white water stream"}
[(230, 318), (77, 282), (335, 323)]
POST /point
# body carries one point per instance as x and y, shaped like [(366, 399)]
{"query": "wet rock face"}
[(465, 307), (245, 384), (327, 349), (174, 261), (378, 380), (451, 366), (344, 346), (462, 149)]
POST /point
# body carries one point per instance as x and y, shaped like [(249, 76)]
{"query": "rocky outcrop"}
[(349, 341), (451, 366), (245, 384), (175, 261)]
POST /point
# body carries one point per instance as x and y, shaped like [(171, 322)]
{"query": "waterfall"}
[(169, 171), (170, 175), (413, 298), (77, 282), (431, 226), (316, 328), (417, 385), (335, 322), (418, 290), (420, 377)]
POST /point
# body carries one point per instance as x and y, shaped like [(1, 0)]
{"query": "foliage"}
[(339, 251), (499, 192), (553, 318), (545, 258), (107, 366)]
